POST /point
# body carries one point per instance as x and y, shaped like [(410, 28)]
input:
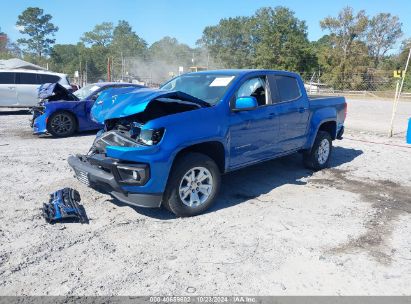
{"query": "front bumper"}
[(101, 173), (39, 120)]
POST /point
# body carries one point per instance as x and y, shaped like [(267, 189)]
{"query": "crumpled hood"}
[(134, 102), (55, 92)]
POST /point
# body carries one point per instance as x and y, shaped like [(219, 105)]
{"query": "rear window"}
[(34, 78), (7, 78), (44, 78), (288, 88), (27, 78), (275, 97)]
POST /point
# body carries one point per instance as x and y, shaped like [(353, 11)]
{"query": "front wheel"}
[(319, 156), (61, 124), (193, 185)]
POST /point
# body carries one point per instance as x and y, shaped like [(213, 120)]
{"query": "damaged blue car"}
[(62, 113)]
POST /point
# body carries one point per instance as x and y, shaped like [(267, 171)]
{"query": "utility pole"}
[(397, 95), (80, 81), (86, 78), (108, 69), (122, 67)]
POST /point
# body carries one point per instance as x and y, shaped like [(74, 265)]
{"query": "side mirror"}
[(94, 97), (245, 104)]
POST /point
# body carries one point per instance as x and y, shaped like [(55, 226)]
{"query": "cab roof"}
[(241, 72)]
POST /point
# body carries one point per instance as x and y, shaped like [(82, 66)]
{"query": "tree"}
[(271, 38), (126, 42), (346, 28), (384, 32), (68, 58), (34, 23), (347, 53), (280, 41), (101, 35), (230, 42), (405, 48), (65, 58), (170, 51), (402, 59), (3, 42)]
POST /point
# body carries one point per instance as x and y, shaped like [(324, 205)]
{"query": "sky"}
[(182, 19)]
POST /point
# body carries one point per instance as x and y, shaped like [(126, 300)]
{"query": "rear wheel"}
[(62, 124), (193, 185), (319, 156)]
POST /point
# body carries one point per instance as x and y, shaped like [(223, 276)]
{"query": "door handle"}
[(301, 110), (272, 115), (12, 88)]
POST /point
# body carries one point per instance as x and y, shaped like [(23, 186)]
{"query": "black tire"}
[(182, 166), (314, 159), (62, 124)]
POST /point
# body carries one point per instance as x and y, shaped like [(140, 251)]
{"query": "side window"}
[(27, 78), (255, 87), (44, 78), (288, 88), (7, 78), (275, 96)]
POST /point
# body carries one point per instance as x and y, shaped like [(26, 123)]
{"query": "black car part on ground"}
[(64, 204)]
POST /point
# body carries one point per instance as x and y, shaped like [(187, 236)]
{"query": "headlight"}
[(112, 138), (147, 137)]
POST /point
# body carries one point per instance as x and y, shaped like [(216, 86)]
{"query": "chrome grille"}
[(82, 177)]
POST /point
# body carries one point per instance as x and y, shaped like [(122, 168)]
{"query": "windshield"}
[(86, 91), (207, 87)]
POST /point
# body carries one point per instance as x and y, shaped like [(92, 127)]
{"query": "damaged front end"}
[(115, 177), (36, 111), (133, 137), (125, 117), (123, 159), (48, 92)]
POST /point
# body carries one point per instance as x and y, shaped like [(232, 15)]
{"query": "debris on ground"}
[(64, 204)]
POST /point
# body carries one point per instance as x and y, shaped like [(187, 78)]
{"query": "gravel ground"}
[(276, 229)]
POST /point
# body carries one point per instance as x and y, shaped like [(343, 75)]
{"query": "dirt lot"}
[(277, 228)]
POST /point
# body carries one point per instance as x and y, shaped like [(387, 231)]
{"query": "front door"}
[(253, 132)]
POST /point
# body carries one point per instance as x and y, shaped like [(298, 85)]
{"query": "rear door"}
[(8, 94), (291, 106), (27, 89)]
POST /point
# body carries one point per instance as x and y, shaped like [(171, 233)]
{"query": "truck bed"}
[(324, 101)]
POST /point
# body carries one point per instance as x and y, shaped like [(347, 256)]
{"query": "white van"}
[(19, 87)]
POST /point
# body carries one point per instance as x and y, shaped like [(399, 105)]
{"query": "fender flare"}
[(319, 118)]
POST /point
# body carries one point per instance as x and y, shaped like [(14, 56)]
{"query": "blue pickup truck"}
[(169, 146)]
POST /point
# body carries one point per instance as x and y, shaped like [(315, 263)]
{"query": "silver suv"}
[(19, 88)]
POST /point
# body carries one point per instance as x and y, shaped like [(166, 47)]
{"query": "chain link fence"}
[(373, 84)]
